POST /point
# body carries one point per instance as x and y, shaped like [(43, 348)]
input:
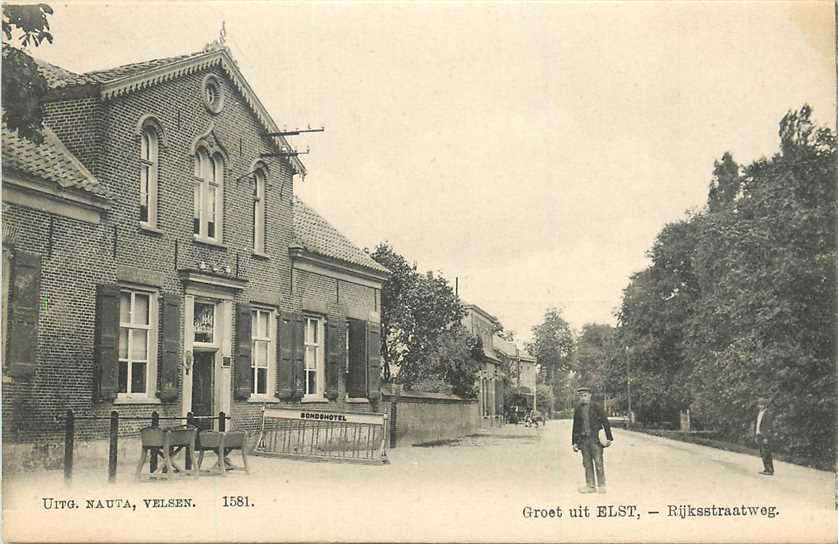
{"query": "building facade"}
[(160, 261), (482, 324)]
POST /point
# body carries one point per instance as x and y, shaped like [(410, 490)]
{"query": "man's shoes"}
[(767, 473), (601, 490), (585, 489)]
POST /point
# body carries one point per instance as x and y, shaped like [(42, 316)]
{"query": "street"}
[(477, 490)]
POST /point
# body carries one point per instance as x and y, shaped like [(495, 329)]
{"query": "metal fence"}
[(317, 434)]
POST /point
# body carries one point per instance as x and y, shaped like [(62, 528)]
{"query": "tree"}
[(724, 188), (544, 399), (419, 313), (595, 351), (766, 267), (23, 86), (553, 347), (451, 361), (656, 307), (739, 300)]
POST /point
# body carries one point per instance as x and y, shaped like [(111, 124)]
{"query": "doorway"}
[(203, 385), (207, 374)]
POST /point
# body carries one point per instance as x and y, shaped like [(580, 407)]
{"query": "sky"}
[(532, 151)]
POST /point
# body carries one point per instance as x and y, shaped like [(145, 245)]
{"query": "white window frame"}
[(207, 346), (149, 167), (208, 174), (151, 343), (346, 348), (319, 358), (259, 181), (270, 361)]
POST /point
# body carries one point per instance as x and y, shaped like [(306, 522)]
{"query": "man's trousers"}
[(593, 462), (765, 453)]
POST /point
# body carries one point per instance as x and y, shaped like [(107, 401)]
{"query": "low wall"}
[(27, 457), (419, 418)]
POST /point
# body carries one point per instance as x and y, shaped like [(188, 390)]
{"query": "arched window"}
[(259, 179), (148, 177), (208, 196)]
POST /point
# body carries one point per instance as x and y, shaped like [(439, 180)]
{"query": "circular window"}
[(213, 93)]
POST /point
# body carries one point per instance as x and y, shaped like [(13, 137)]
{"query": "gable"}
[(117, 82)]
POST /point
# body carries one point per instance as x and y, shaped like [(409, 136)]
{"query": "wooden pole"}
[(155, 452), (114, 445), (69, 436), (190, 422)]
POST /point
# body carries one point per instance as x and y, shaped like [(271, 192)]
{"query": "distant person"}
[(588, 419), (763, 434)]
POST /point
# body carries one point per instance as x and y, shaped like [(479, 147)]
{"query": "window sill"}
[(208, 242), (314, 400), (263, 400), (148, 229), (357, 400), (262, 256), (137, 400)]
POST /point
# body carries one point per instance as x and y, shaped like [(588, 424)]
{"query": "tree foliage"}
[(594, 362), (23, 86), (739, 299), (657, 305), (553, 346), (544, 401), (764, 325), (421, 327)]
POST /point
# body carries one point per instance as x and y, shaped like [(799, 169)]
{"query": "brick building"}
[(523, 371), (156, 258), (482, 324)]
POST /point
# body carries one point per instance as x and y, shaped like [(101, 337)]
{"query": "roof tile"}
[(59, 78), (49, 160), (318, 236)]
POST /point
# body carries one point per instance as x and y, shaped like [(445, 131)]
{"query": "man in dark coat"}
[(588, 419), (763, 434)]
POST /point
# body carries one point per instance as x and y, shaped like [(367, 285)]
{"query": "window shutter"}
[(285, 357), (298, 332), (374, 360), (171, 345), (106, 342), (243, 371), (335, 353), (357, 379), (24, 306)]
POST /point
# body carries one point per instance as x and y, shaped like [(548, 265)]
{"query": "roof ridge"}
[(145, 64)]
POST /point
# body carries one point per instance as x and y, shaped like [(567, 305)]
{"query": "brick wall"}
[(76, 122), (75, 258), (336, 300), (422, 418)]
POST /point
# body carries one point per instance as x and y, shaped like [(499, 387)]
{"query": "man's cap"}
[(584, 390)]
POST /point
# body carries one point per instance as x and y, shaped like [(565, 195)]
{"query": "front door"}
[(203, 371), (207, 386)]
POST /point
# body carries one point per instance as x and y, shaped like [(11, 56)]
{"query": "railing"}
[(113, 440), (324, 435)]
